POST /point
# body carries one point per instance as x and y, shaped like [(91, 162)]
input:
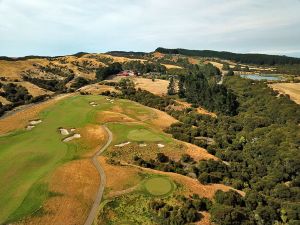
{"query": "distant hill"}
[(259, 59), (127, 54)]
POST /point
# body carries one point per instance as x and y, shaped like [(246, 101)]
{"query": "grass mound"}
[(158, 186)]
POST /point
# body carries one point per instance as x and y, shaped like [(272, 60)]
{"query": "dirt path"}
[(93, 212)]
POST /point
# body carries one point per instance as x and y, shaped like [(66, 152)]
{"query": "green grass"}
[(136, 133), (158, 186), (27, 157)]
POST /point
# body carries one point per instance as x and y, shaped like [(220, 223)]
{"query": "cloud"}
[(55, 27)]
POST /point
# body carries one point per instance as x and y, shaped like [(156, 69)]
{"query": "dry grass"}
[(119, 178), (200, 110), (32, 89), (76, 184), (4, 101), (158, 87), (108, 116), (20, 119), (169, 66), (291, 89), (97, 89), (162, 120), (92, 136)]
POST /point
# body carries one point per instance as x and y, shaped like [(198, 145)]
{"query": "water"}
[(262, 77)]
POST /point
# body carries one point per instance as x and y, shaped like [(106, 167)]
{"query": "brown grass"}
[(20, 119), (32, 89), (169, 66), (291, 89), (162, 120), (76, 183), (108, 116), (119, 178), (184, 105), (97, 89), (158, 87), (4, 101), (92, 136)]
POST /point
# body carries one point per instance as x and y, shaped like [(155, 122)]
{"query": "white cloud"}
[(53, 27)]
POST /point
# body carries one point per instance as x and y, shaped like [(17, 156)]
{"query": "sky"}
[(60, 27)]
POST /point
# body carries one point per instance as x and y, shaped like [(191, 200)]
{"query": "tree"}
[(225, 66), (171, 87), (181, 90), (230, 72)]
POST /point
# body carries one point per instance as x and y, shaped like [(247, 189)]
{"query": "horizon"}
[(51, 28)]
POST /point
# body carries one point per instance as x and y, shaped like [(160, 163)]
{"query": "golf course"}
[(28, 157)]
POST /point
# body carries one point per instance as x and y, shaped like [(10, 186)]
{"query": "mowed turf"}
[(158, 186), (27, 157)]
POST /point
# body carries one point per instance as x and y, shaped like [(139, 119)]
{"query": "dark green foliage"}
[(259, 59), (230, 72), (146, 67), (171, 87), (51, 85), (103, 72), (214, 97), (15, 93), (185, 211), (80, 82)]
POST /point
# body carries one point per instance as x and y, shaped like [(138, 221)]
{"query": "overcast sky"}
[(58, 27)]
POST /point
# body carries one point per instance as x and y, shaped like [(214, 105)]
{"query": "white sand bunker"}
[(73, 129), (160, 145), (93, 104), (64, 131), (75, 136), (110, 100), (142, 145), (123, 144), (30, 127), (32, 124), (35, 122)]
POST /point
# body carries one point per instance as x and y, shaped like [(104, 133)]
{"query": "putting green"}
[(158, 186)]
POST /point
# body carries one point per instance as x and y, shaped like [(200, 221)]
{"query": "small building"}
[(126, 73)]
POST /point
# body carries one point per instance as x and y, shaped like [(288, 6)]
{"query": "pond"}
[(272, 77)]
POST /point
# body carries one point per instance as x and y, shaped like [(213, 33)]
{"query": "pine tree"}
[(181, 90), (171, 87)]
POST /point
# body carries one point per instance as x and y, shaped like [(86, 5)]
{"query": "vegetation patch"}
[(158, 186)]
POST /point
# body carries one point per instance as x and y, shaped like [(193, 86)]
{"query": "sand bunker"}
[(64, 131), (30, 127), (160, 145), (123, 144), (142, 145), (75, 136), (93, 104), (32, 124), (35, 122)]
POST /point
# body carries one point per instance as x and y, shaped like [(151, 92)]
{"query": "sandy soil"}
[(291, 89), (75, 184), (20, 119)]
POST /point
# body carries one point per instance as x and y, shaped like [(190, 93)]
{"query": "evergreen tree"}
[(171, 87), (181, 90)]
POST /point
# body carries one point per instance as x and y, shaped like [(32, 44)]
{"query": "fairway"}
[(27, 157), (158, 186)]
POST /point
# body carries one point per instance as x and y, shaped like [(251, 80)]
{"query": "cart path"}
[(98, 198)]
